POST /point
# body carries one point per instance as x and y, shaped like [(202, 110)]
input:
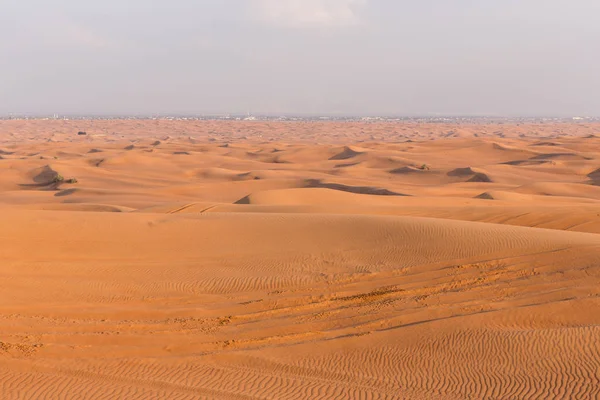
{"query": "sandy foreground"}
[(271, 260)]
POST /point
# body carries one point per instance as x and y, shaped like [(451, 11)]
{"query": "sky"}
[(314, 57)]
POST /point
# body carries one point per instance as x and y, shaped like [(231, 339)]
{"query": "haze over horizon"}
[(384, 57)]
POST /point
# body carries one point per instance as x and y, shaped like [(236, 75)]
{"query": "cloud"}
[(310, 13)]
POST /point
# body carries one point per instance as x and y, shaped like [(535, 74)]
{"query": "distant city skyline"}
[(527, 58)]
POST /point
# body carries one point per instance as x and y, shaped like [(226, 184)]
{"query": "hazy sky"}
[(402, 57)]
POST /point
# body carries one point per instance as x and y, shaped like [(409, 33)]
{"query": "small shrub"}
[(71, 181), (424, 167), (58, 178)]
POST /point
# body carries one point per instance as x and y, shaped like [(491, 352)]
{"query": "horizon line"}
[(16, 115)]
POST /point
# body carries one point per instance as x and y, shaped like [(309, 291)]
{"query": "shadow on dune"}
[(545, 144), (65, 192), (408, 170), (347, 153), (527, 162), (474, 175), (40, 186), (346, 165), (44, 178), (317, 183), (462, 172), (45, 175), (486, 196), (481, 178), (594, 177), (244, 200), (550, 156)]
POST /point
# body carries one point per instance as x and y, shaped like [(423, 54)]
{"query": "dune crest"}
[(347, 153)]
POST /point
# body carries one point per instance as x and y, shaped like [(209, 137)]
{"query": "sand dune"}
[(594, 177), (249, 260), (346, 153)]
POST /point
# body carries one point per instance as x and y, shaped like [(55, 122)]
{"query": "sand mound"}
[(44, 175), (43, 178), (475, 175), (346, 153), (480, 177), (486, 196), (462, 172), (595, 175)]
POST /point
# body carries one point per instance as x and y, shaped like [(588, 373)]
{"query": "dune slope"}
[(215, 260)]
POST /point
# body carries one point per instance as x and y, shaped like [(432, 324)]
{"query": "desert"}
[(204, 259)]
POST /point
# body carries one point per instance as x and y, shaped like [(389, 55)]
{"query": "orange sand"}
[(269, 260)]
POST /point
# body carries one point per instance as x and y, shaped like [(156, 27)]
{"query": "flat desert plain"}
[(299, 260)]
